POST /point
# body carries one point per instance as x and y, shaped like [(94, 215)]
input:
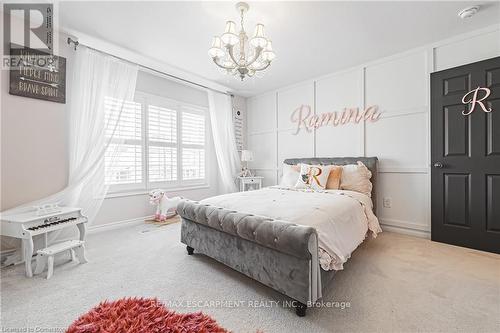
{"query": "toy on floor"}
[(165, 206)]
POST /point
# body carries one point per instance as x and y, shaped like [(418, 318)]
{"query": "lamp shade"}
[(268, 53), (216, 50), (246, 156), (229, 36), (258, 39), (230, 27)]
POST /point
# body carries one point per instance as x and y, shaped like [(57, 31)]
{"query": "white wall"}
[(400, 86), (34, 157)]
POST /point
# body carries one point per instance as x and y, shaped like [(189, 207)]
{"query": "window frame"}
[(185, 108), (145, 100), (117, 188)]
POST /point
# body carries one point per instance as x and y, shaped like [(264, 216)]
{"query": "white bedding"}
[(341, 218)]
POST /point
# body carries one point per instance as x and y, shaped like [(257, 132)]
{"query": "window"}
[(123, 157), (157, 143), (162, 140), (193, 150)]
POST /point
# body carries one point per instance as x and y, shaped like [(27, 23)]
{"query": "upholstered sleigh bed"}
[(277, 253)]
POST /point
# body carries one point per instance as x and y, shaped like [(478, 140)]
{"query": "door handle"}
[(438, 165)]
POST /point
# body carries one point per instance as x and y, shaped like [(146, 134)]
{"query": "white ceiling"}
[(310, 38)]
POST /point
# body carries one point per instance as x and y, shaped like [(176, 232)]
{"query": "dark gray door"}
[(465, 152)]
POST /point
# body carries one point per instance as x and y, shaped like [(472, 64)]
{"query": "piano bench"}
[(46, 256)]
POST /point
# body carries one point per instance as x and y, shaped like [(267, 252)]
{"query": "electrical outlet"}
[(387, 202)]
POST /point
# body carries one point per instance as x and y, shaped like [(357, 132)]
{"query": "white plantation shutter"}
[(193, 128), (162, 138), (128, 124), (162, 164), (123, 164), (162, 124), (193, 163), (123, 157), (157, 143), (193, 146)]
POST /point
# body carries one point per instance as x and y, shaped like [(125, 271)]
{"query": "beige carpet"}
[(394, 283)]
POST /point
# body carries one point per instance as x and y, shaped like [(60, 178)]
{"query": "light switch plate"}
[(387, 202)]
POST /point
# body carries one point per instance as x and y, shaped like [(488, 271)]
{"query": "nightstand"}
[(250, 183)]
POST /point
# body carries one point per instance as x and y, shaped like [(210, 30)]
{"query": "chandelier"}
[(253, 55)]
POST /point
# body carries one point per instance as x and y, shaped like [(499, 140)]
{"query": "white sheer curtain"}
[(96, 76), (100, 76), (221, 119)]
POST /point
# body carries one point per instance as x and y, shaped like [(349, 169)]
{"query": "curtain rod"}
[(77, 43)]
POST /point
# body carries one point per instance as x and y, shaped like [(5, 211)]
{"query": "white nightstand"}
[(250, 183)]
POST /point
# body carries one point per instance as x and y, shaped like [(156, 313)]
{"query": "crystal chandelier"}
[(253, 56)]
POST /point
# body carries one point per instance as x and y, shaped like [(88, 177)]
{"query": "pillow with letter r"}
[(313, 176)]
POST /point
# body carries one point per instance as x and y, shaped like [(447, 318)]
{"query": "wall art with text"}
[(304, 118), (36, 74)]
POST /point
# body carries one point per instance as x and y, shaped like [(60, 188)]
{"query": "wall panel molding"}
[(407, 112), (266, 169), (260, 132), (411, 170), (400, 85)]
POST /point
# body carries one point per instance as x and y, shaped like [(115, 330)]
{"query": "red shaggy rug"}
[(142, 315)]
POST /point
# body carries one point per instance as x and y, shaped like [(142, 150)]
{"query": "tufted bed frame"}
[(279, 254)]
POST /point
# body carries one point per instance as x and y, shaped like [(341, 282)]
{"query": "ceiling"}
[(310, 38)]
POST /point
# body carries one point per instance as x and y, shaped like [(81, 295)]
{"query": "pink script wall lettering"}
[(305, 119)]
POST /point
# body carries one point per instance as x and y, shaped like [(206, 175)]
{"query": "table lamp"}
[(246, 156)]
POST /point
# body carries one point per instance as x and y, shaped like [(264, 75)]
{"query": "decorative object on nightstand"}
[(250, 183), (246, 156)]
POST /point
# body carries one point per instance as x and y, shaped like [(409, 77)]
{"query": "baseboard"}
[(404, 224), (92, 229), (406, 231)]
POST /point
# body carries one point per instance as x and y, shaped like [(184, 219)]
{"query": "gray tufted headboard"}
[(370, 162)]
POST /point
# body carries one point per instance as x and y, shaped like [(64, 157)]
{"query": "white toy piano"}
[(29, 224)]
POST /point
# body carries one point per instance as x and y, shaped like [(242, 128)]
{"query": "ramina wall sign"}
[(304, 118)]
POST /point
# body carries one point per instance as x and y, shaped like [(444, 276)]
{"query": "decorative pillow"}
[(356, 177), (290, 175), (313, 176), (333, 182)]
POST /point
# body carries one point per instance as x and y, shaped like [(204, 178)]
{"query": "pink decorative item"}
[(306, 119), (165, 207), (142, 315), (475, 100)]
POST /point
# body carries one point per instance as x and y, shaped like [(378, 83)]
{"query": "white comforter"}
[(342, 218)]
